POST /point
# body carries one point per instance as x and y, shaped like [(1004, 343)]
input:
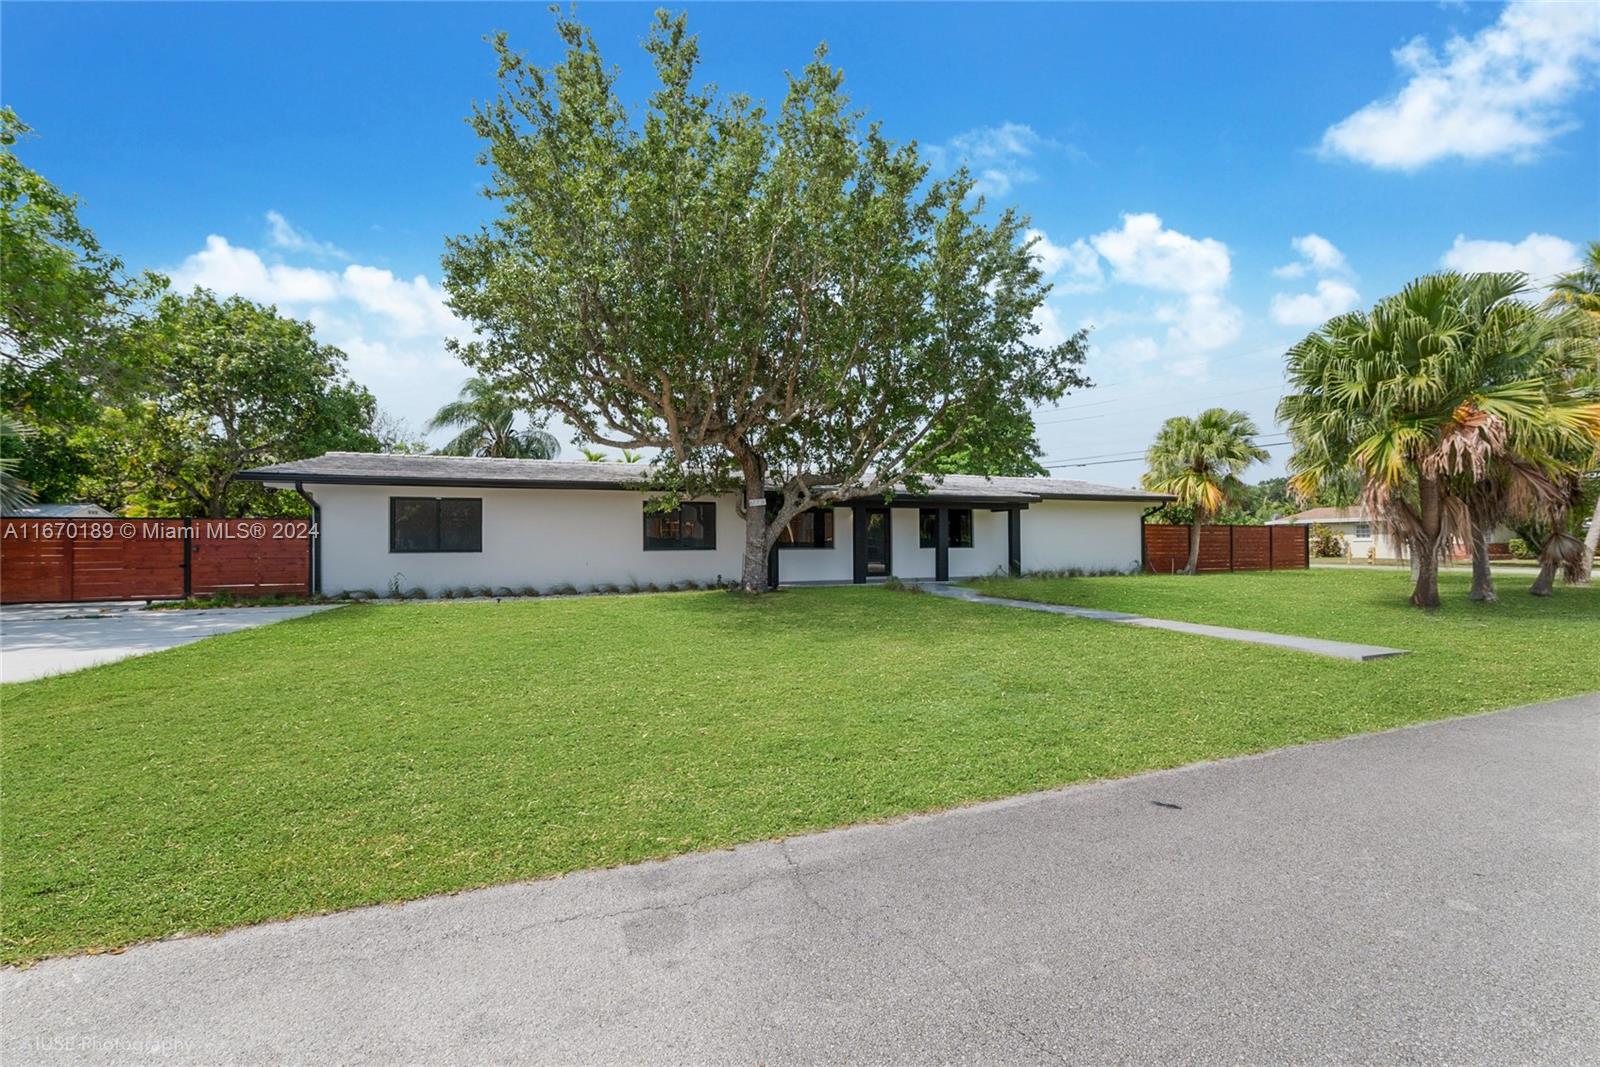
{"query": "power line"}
[(1102, 460)]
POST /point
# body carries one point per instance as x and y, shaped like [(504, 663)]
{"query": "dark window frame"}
[(707, 544), (821, 535), (931, 540), (438, 523)]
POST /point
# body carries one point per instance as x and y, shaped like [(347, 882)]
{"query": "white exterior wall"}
[(542, 538), (586, 537), (1093, 535), (836, 564)]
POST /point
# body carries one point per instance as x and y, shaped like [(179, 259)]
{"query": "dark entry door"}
[(878, 561)]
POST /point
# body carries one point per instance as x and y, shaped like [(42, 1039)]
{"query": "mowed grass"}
[(387, 752)]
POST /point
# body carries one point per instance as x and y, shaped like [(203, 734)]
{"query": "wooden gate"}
[(55, 560), (1227, 548)]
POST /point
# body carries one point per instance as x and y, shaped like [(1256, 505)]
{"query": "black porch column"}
[(772, 567), (1014, 542), (858, 543), (941, 548)]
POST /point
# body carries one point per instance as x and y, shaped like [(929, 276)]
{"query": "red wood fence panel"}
[(1226, 548), (44, 560)]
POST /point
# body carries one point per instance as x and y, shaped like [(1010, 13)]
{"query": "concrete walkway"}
[(1429, 895), (42, 639), (1315, 645)]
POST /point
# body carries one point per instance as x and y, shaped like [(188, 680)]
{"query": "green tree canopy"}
[(1198, 460), (228, 384), (63, 302), (785, 296)]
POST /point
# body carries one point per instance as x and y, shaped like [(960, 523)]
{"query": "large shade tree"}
[(63, 302), (1456, 403), (1198, 461), (485, 422), (782, 300), (227, 384)]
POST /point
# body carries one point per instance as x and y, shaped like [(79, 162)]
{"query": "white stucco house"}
[(1361, 534), (439, 522)]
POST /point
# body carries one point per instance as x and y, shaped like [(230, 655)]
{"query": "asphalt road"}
[(1426, 895)]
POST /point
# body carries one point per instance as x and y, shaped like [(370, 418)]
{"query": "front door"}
[(878, 561)]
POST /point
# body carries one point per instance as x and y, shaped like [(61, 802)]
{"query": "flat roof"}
[(374, 468)]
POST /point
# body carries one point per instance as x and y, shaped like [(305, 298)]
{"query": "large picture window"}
[(435, 524), (960, 527), (691, 526), (809, 529)]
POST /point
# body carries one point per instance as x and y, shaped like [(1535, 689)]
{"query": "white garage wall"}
[(542, 538), (1088, 534)]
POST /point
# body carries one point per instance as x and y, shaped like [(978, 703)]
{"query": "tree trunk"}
[(1425, 547), (1193, 566), (1544, 585), (753, 566), (1591, 542), (1482, 576)]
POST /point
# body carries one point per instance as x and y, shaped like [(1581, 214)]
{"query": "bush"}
[(1325, 544), (527, 590), (898, 586), (416, 592), (1520, 549)]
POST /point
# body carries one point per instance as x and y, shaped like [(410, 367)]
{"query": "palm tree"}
[(1199, 461), (14, 492), (1452, 383), (1580, 290), (487, 423)]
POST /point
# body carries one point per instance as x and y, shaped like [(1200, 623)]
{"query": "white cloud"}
[(1203, 321), (393, 329), (1051, 332), (1143, 252), (1332, 297), (1540, 256), (282, 234), (1501, 93), (1131, 351), (1000, 157), (1073, 268), (1317, 254)]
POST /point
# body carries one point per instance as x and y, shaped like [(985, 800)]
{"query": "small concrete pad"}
[(1314, 645), (42, 639)]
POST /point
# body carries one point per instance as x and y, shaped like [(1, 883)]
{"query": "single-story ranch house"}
[(439, 522), (1362, 536)]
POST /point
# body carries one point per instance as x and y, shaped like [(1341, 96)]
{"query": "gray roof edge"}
[(478, 472)]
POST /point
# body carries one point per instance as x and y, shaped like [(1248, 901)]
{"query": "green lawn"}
[(386, 752)]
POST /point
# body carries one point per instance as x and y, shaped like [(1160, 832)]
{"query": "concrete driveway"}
[(41, 639), (1426, 895)]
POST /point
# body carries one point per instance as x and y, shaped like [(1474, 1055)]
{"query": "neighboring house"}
[(59, 511), (1361, 534), (444, 521)]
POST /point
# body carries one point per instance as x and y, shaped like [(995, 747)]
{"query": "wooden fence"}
[(53, 560), (1228, 548)]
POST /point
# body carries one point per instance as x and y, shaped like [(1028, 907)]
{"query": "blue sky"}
[(1209, 180)]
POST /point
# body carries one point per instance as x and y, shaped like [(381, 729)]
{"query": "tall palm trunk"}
[(1591, 542), (1425, 543), (1561, 551), (1482, 576), (1193, 566)]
